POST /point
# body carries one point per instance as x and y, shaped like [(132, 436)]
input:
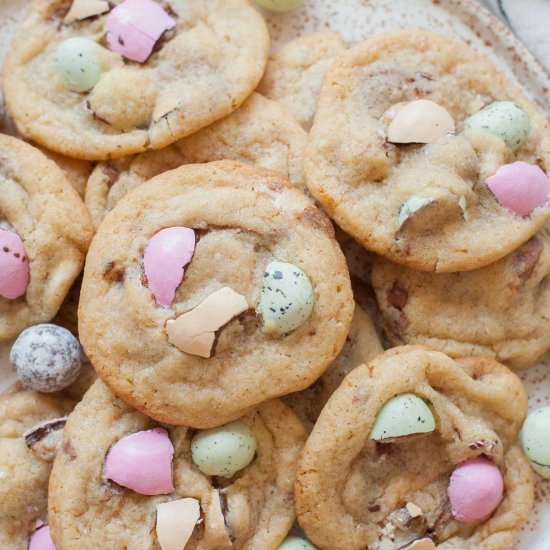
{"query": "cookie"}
[(67, 316), (415, 446), (498, 310), (76, 171), (135, 76), (45, 231), (294, 73), (362, 344), (264, 283), (26, 462), (253, 508), (406, 158), (261, 132)]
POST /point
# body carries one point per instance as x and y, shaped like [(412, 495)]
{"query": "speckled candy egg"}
[(225, 450), (287, 297), (47, 358), (503, 119), (535, 440), (279, 5), (403, 415), (77, 64), (296, 543)]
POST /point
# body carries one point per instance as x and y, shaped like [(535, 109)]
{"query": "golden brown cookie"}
[(422, 201), (245, 222), (358, 487)]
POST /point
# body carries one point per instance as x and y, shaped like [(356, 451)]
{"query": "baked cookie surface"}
[(427, 201), (253, 509), (499, 310), (260, 132), (358, 487), (210, 58), (46, 228), (25, 472), (252, 233), (294, 73)]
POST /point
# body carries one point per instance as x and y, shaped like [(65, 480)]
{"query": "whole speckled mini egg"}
[(225, 450), (403, 415), (279, 5), (296, 543), (287, 297), (535, 440), (77, 64), (503, 119)]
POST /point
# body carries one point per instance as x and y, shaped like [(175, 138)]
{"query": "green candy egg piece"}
[(76, 63), (279, 5), (410, 206), (225, 450), (286, 298), (402, 415), (535, 440), (503, 119), (296, 543)]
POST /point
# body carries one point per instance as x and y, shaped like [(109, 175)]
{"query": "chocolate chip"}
[(113, 274), (398, 296), (525, 262)]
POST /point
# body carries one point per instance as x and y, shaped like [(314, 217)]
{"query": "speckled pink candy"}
[(14, 266), (166, 255), (134, 27), (41, 538), (520, 187), (142, 462), (475, 490)]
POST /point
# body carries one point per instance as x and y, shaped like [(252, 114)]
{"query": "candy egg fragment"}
[(47, 357), (520, 187), (296, 543), (279, 5), (403, 415), (420, 121), (225, 450), (410, 206), (475, 490), (77, 64), (41, 539), (287, 297), (535, 441), (14, 266), (176, 522), (142, 462), (503, 119)]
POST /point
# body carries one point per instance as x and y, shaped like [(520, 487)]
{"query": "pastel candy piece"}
[(194, 332), (521, 187), (41, 539), (176, 522), (420, 121), (403, 415), (225, 450), (134, 27), (503, 119), (14, 266), (535, 440), (82, 9), (77, 64), (286, 297), (280, 6), (166, 255), (421, 544), (475, 490), (142, 462), (296, 543), (410, 206)]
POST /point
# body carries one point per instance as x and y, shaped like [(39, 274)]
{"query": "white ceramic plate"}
[(356, 20)]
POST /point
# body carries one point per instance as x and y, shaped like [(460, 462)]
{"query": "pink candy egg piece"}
[(142, 462), (475, 490), (134, 27), (521, 187), (166, 255), (14, 266), (41, 538)]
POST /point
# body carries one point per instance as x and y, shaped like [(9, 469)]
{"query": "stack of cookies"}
[(252, 233)]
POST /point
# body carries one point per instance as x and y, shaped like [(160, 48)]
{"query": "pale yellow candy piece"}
[(422, 544), (176, 521), (414, 510), (421, 121), (279, 6), (82, 9), (194, 332)]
